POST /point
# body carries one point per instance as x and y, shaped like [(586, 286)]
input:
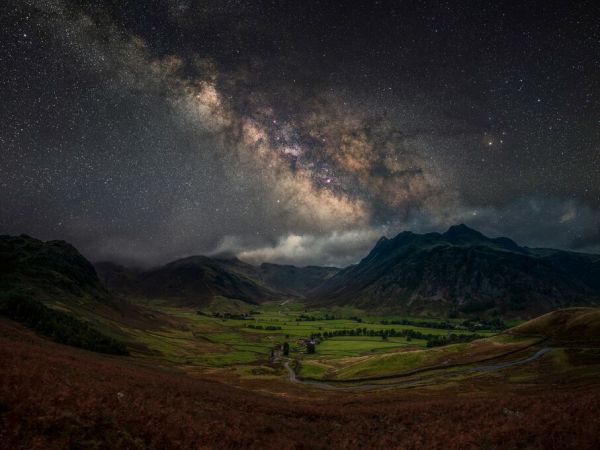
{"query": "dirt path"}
[(429, 379)]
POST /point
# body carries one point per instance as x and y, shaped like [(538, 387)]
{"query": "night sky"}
[(297, 132)]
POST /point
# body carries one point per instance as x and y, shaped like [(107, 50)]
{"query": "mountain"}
[(298, 281), (462, 270), (197, 280), (52, 270), (52, 289), (194, 281)]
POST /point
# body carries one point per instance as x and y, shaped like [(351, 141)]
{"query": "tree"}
[(286, 349), (310, 347)]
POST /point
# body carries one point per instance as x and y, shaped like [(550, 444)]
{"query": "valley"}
[(354, 350), (242, 338), (302, 225), (109, 357), (205, 382), (218, 336)]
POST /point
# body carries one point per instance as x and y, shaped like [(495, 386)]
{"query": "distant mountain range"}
[(198, 279), (463, 271), (459, 272)]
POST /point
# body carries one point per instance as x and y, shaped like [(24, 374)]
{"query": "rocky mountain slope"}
[(463, 271)]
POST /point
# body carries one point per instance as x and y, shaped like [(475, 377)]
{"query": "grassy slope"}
[(402, 361), (573, 324), (54, 276)]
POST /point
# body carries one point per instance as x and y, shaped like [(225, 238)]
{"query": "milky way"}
[(301, 134)]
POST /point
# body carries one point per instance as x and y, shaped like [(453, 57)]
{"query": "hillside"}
[(463, 271), (195, 280), (566, 325), (572, 332), (52, 289), (53, 396), (47, 271), (298, 281)]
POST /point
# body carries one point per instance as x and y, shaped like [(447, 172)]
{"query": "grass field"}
[(242, 337), (230, 338), (234, 338)]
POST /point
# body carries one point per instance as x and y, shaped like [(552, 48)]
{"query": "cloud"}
[(335, 248)]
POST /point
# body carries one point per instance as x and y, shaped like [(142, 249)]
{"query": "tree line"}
[(267, 327), (470, 324), (432, 339)]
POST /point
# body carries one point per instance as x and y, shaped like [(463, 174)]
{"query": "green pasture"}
[(206, 340)]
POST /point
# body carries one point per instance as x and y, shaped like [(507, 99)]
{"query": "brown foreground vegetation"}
[(52, 396)]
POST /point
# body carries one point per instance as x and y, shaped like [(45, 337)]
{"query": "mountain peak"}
[(462, 233), (462, 269), (461, 228)]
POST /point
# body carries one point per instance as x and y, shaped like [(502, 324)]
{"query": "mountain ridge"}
[(197, 279), (460, 271), (463, 270)]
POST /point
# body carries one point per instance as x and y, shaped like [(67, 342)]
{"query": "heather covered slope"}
[(463, 271)]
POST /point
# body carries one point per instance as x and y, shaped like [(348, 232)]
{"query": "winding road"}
[(364, 387), (495, 367)]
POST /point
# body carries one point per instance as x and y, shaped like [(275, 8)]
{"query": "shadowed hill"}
[(55, 273), (47, 270), (295, 280), (52, 289), (197, 280)]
